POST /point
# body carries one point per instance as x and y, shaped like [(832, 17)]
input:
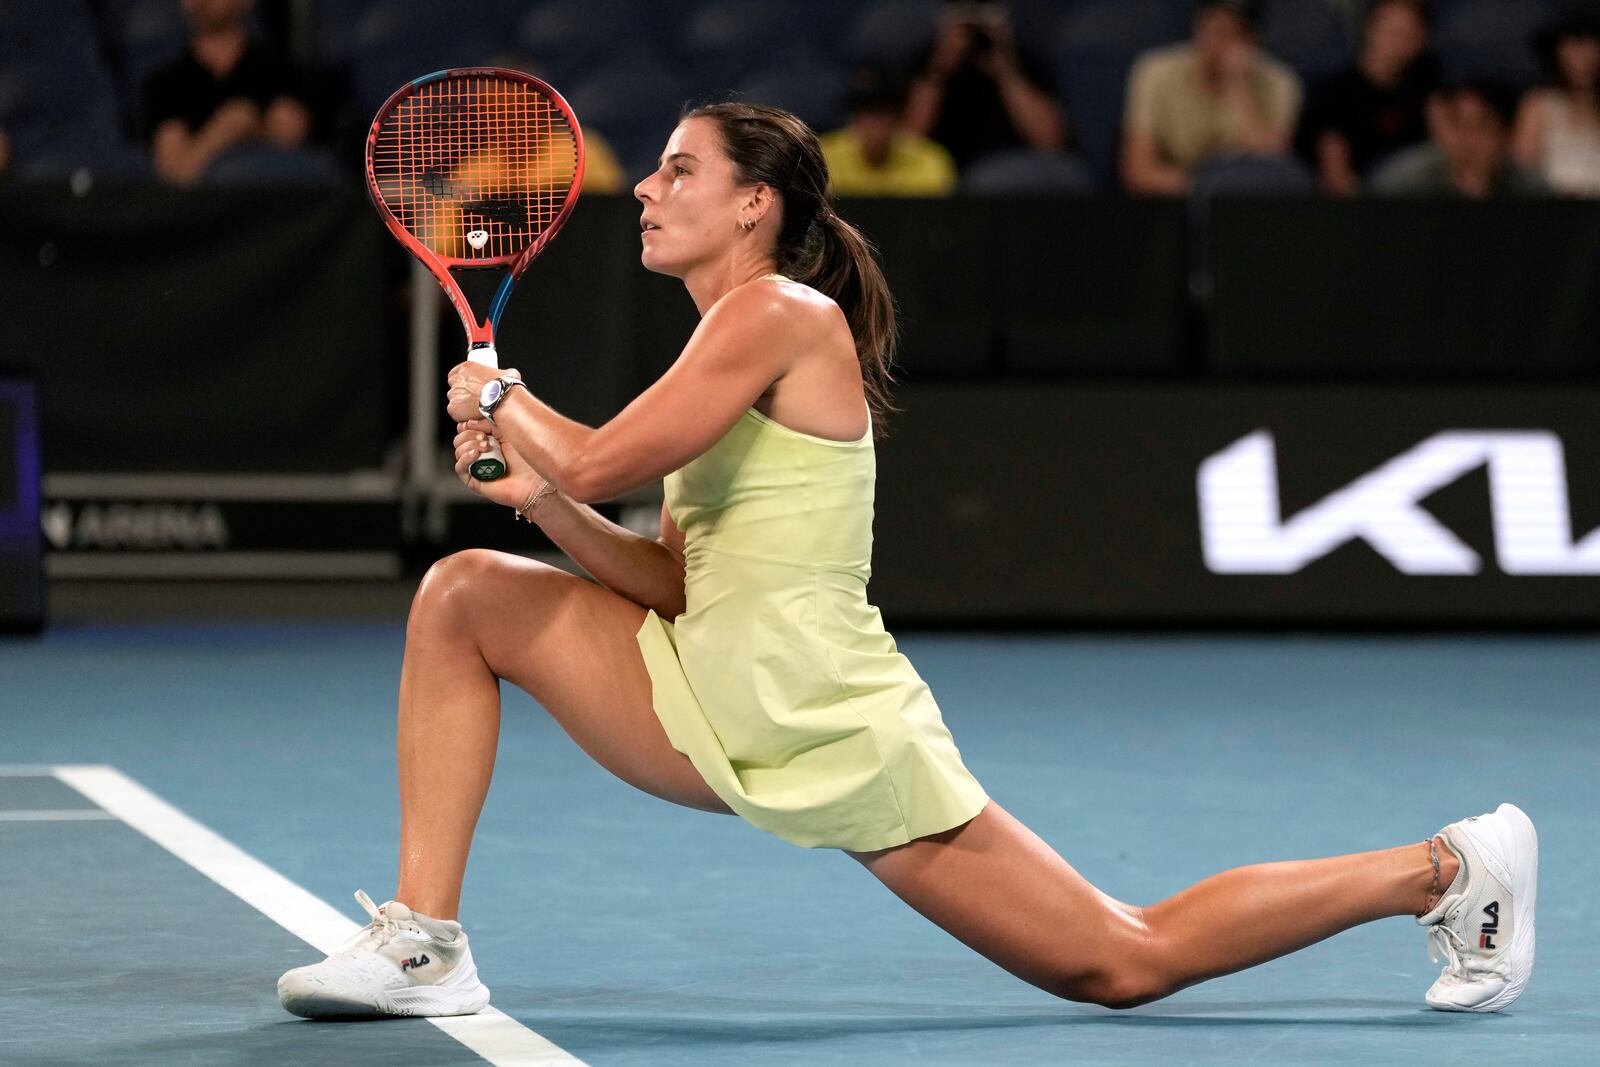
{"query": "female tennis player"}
[(734, 664)]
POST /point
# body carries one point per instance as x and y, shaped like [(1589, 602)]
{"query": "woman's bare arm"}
[(649, 573), (182, 157), (747, 341)]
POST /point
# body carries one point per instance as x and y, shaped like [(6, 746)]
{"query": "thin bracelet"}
[(533, 501)]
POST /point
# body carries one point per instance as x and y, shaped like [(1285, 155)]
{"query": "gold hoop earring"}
[(747, 225)]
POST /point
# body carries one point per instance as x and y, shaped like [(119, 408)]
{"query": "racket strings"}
[(489, 157)]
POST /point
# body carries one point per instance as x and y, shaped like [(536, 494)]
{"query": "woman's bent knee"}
[(465, 575), (458, 588)]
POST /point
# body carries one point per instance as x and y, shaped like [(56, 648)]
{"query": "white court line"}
[(492, 1034), (55, 815)]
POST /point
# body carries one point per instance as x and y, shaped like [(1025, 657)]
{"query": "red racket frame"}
[(480, 333)]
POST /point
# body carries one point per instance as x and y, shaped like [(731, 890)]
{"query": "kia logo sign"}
[(1243, 529)]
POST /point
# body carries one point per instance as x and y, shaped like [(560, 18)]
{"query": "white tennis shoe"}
[(1484, 924), (398, 964)]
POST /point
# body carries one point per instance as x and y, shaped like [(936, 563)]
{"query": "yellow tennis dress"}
[(779, 682)]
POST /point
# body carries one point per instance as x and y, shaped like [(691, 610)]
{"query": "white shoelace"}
[(380, 930), (1445, 943)]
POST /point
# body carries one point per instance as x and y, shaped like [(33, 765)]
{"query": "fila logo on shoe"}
[(1490, 928), (419, 961)]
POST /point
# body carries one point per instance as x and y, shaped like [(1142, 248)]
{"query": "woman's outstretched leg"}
[(997, 887), (481, 616)]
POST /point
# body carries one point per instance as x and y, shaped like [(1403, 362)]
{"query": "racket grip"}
[(490, 464)]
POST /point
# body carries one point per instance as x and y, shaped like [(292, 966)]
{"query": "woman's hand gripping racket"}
[(475, 168)]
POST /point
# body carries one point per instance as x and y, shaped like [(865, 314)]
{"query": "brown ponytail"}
[(815, 246)]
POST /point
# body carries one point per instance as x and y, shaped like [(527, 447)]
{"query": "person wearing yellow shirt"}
[(601, 171), (876, 155)]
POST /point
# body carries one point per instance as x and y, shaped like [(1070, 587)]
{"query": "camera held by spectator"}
[(978, 90)]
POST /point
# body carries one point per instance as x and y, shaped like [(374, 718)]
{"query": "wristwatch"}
[(494, 394)]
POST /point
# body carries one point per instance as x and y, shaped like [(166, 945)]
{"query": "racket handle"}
[(491, 462)]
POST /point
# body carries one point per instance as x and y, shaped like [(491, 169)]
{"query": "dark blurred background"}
[(1213, 313)]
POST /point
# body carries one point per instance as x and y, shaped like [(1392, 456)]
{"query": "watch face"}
[(491, 393)]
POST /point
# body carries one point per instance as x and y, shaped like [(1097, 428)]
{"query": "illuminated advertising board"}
[(1242, 504)]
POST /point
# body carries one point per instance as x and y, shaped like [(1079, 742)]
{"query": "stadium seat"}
[(395, 41), (1252, 176), (335, 28), (1127, 26), (572, 38), (635, 97), (497, 20), (145, 34), (1234, 176), (807, 85), (1096, 44), (1492, 38), (1023, 173), (737, 38), (260, 164), (893, 30), (39, 33), (1092, 84), (90, 147), (1310, 35), (1038, 21), (58, 104)]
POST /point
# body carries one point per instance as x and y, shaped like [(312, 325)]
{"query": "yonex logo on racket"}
[(1244, 530)]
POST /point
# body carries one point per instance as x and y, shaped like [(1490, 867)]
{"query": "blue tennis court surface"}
[(629, 932)]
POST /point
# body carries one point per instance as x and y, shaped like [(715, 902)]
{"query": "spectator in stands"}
[(875, 155), (978, 91), (1216, 96), (225, 90), (1379, 104), (1558, 127), (602, 173), (1470, 152)]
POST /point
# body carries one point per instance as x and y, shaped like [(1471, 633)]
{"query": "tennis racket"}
[(475, 168)]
